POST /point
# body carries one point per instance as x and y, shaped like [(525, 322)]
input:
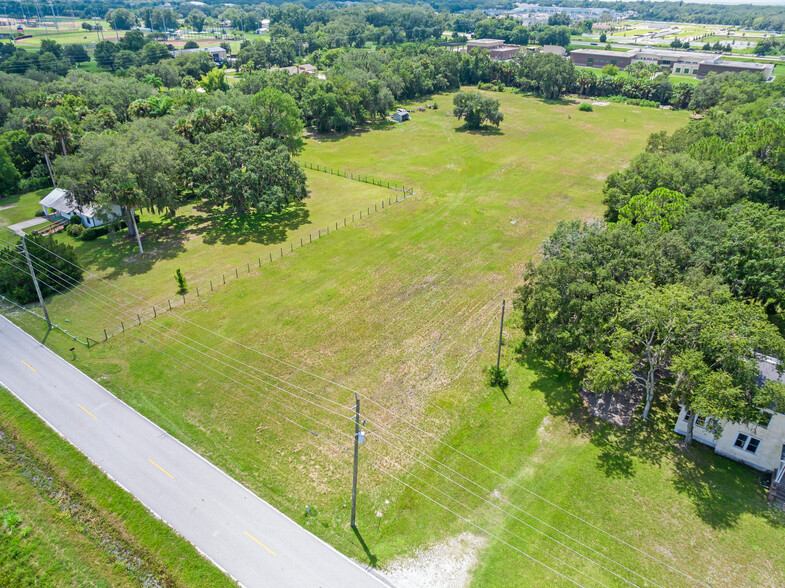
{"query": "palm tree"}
[(43, 144), (153, 80), (35, 124), (60, 129)]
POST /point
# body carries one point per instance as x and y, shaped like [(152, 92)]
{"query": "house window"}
[(678, 70), (747, 443), (613, 62), (687, 415), (700, 420), (590, 61)]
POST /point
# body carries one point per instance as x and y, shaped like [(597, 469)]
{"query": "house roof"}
[(768, 370), (58, 200)]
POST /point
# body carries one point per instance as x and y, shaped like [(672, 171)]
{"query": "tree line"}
[(679, 287)]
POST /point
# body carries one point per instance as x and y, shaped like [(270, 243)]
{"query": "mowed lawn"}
[(403, 308)]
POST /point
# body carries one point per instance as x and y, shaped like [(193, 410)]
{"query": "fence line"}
[(357, 178), (181, 300)]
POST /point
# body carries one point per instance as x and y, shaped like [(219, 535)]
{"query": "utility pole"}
[(501, 330), (35, 282), (54, 16), (136, 230), (359, 437)]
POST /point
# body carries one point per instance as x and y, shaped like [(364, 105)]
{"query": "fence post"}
[(271, 256), (320, 232), (138, 318), (211, 285), (310, 237), (344, 221), (106, 337), (236, 273), (155, 314), (122, 324), (260, 262), (291, 247), (248, 265), (301, 241), (281, 251), (224, 277), (170, 303), (197, 291)]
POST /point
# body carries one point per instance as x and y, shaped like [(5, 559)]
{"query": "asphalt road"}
[(242, 534)]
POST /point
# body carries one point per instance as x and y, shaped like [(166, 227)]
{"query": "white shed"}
[(401, 115)]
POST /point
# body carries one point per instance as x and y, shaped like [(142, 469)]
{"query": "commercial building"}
[(217, 53), (484, 44), (676, 62)]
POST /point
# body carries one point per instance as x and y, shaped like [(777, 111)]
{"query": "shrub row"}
[(92, 233)]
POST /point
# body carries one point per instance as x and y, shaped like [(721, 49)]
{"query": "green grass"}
[(21, 207), (403, 307), (64, 529), (67, 34)]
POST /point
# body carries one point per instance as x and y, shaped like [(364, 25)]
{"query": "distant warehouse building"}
[(484, 44), (676, 62), (217, 53)]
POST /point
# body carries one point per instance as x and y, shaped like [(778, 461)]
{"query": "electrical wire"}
[(463, 487), (414, 426)]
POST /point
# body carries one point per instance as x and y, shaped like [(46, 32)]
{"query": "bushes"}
[(633, 101), (92, 233), (75, 230), (586, 107), (498, 377)]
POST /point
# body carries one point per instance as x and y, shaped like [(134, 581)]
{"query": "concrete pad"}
[(18, 228)]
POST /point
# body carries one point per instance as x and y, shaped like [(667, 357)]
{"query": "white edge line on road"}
[(114, 481), (367, 569)]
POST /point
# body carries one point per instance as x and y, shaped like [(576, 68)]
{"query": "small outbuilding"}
[(401, 115), (58, 205)]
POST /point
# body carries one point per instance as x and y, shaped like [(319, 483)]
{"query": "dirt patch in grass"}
[(447, 564), (617, 408)]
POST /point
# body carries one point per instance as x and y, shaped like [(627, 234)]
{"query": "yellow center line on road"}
[(87, 411), (260, 543), (28, 365), (160, 468)]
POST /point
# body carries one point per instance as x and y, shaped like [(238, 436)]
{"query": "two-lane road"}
[(242, 534)]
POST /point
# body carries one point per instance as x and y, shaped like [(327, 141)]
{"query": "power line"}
[(345, 449), (416, 427), (396, 448), (448, 479)]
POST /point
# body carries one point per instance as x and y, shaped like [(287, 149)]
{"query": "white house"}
[(760, 445), (57, 205)]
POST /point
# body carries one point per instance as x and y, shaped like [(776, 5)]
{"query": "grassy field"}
[(64, 523), (67, 34), (403, 307)]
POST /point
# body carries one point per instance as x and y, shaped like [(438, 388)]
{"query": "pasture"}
[(402, 306)]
